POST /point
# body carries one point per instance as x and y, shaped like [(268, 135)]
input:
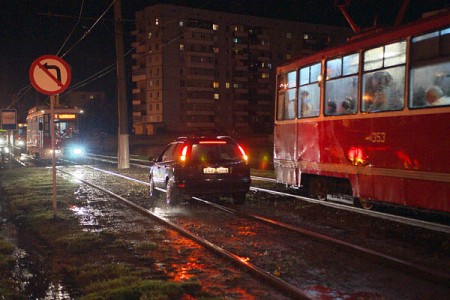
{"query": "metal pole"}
[(123, 156), (52, 132)]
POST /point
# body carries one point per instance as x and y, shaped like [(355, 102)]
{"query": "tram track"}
[(370, 213), (400, 264), (240, 261)]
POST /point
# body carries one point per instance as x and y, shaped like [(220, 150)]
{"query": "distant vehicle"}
[(4, 146), (377, 125), (67, 136), (196, 166)]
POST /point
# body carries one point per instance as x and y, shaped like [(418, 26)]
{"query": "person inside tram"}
[(435, 96), (307, 107), (331, 107), (347, 106), (376, 90)]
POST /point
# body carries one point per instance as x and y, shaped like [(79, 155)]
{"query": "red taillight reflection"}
[(243, 153), (183, 153), (356, 155)]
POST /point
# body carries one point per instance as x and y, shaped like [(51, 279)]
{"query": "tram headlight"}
[(78, 151)]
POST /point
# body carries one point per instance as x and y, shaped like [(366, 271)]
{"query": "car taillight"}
[(243, 153), (183, 153)]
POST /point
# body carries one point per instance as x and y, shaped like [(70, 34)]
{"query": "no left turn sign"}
[(50, 75)]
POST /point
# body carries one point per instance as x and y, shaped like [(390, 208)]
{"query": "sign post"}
[(51, 75)]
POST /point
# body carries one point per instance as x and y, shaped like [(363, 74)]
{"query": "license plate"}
[(219, 170)]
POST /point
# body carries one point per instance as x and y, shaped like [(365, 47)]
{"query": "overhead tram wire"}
[(73, 29), (90, 29), (107, 69), (28, 87)]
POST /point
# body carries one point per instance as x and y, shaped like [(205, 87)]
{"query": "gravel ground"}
[(323, 272), (335, 273)]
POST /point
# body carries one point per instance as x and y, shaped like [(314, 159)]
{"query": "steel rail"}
[(410, 267), (393, 218), (283, 286), (371, 213)]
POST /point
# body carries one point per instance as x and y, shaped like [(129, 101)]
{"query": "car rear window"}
[(215, 152)]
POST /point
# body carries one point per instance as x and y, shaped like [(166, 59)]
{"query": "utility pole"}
[(123, 150)]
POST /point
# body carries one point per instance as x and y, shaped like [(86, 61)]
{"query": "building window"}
[(181, 23), (149, 35), (181, 47), (227, 85), (215, 27), (216, 96), (215, 84), (289, 35)]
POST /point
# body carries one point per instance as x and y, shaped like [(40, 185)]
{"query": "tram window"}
[(341, 92), (373, 59), (309, 91), (286, 104), (430, 45), (292, 79), (430, 85), (383, 90), (395, 54), (334, 68), (351, 64), (384, 78)]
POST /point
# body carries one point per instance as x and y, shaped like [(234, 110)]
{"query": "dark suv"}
[(197, 166)]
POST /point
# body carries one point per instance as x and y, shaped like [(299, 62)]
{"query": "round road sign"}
[(50, 75)]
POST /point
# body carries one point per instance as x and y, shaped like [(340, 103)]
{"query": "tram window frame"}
[(287, 95), (342, 76), (384, 78), (429, 84), (309, 89)]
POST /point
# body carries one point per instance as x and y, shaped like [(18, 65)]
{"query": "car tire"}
[(152, 191), (239, 198), (172, 193)]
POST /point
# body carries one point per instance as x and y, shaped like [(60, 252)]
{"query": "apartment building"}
[(197, 70)]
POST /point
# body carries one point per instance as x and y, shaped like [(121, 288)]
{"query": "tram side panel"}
[(285, 153), (396, 159)]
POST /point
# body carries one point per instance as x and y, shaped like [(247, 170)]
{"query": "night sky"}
[(31, 28)]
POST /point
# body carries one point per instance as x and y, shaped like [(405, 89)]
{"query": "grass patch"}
[(91, 265)]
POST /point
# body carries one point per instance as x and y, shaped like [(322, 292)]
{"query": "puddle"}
[(31, 272)]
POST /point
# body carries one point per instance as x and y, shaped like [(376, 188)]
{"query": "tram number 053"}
[(377, 137)]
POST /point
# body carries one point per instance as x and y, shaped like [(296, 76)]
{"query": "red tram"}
[(369, 121), (67, 139)]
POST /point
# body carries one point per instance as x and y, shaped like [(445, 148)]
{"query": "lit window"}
[(306, 37), (216, 96), (215, 27), (215, 84), (149, 35), (265, 75), (289, 35), (181, 24), (181, 47), (227, 85)]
